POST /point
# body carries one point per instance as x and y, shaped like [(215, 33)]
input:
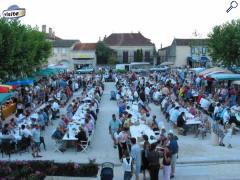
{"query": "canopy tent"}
[(212, 70), (215, 72), (197, 70), (201, 59), (49, 72), (236, 82), (225, 77), (21, 82), (4, 97), (7, 86), (4, 89), (167, 63)]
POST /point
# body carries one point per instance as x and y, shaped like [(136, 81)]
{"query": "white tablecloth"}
[(140, 130)]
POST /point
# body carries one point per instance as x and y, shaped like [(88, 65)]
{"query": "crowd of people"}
[(38, 105), (190, 103), (140, 154)]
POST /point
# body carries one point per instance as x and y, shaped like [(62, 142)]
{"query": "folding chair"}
[(57, 145), (84, 145)]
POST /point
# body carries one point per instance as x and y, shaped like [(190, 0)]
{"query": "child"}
[(228, 135)]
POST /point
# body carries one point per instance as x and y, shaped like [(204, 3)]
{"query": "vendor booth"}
[(7, 106)]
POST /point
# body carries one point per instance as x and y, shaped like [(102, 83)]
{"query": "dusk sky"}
[(159, 20)]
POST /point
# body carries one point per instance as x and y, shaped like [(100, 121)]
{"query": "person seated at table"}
[(24, 132), (81, 136), (174, 113), (127, 123), (89, 125), (154, 125), (192, 109), (148, 120), (181, 122), (12, 123), (92, 113), (6, 129), (62, 122)]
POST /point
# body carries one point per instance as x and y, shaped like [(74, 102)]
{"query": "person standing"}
[(166, 164), (127, 165), (173, 147), (36, 140), (145, 150), (114, 127), (153, 158), (136, 155)]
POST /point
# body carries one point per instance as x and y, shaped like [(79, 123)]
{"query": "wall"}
[(60, 54), (84, 53), (182, 52), (131, 49)]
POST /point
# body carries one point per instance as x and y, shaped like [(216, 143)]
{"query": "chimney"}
[(53, 34), (105, 37), (50, 32), (44, 28)]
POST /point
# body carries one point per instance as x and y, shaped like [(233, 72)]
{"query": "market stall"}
[(7, 106)]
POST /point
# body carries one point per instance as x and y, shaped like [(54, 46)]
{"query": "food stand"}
[(7, 107)]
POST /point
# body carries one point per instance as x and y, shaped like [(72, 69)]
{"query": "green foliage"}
[(105, 55), (112, 59), (139, 55), (224, 43), (121, 71), (22, 49)]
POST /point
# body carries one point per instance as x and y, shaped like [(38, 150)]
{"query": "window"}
[(147, 55), (135, 55), (193, 50), (125, 56), (204, 50), (64, 51)]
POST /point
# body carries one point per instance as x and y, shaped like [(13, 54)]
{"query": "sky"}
[(159, 20)]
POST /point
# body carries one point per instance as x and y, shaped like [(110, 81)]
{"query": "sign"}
[(14, 12)]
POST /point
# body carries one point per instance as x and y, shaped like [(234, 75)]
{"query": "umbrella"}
[(4, 89), (7, 86)]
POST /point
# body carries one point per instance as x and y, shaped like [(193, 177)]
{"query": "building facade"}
[(84, 54), (127, 45), (191, 52)]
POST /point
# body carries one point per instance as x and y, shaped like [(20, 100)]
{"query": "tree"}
[(105, 54), (224, 43), (22, 49), (139, 55), (112, 59)]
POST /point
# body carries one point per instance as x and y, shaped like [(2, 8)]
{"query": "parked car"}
[(85, 70)]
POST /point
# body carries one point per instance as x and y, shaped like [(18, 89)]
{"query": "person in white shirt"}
[(174, 115), (226, 116), (25, 132), (135, 95), (217, 111), (127, 164)]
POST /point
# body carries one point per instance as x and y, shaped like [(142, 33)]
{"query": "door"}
[(125, 57)]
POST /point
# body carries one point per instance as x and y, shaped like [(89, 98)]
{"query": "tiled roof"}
[(67, 43), (188, 42), (84, 46), (48, 36), (127, 39)]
